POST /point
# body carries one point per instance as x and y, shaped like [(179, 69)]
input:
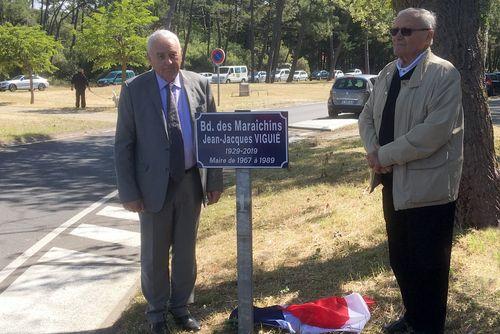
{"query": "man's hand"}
[(373, 159), (134, 206), (374, 163), (213, 197)]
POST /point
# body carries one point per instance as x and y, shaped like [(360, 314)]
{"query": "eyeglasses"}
[(405, 31)]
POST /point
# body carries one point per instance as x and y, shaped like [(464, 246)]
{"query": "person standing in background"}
[(79, 82)]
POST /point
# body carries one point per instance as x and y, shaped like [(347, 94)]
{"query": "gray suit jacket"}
[(141, 142)]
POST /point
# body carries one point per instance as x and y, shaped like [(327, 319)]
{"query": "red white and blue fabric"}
[(348, 314)]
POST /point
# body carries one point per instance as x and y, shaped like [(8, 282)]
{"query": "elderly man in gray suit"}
[(158, 178)]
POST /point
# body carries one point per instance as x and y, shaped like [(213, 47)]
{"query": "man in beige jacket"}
[(412, 131)]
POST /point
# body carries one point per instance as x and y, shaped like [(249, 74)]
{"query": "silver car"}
[(350, 93), (300, 75), (23, 82)]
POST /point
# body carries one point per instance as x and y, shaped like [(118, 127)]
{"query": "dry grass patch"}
[(318, 233), (53, 114)]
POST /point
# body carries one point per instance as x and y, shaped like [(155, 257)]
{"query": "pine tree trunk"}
[(298, 49), (458, 39), (275, 48), (32, 91), (252, 42), (170, 15), (331, 54), (188, 34), (367, 55)]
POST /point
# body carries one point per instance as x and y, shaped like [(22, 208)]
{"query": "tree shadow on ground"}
[(311, 164), (68, 110), (312, 279), (479, 317), (57, 175), (28, 137)]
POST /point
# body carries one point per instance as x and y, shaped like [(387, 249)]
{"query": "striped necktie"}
[(177, 168)]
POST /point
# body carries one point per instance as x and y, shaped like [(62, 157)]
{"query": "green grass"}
[(317, 233)]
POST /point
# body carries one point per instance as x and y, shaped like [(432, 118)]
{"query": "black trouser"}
[(419, 250), (80, 95)]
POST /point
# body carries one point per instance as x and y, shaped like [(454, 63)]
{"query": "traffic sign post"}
[(218, 56), (243, 140), (218, 85)]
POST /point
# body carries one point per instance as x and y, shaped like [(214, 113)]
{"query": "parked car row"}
[(324, 74), (23, 82), (230, 74)]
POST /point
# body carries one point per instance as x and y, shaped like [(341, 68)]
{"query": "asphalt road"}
[(43, 184)]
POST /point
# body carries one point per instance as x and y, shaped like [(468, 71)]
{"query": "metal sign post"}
[(244, 250), (243, 140), (218, 85), (218, 56)]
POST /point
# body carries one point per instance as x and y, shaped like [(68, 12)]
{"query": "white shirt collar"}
[(414, 63)]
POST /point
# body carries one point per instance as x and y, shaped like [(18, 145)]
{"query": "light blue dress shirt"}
[(414, 63), (184, 115)]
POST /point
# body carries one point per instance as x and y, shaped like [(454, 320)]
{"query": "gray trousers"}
[(173, 229)]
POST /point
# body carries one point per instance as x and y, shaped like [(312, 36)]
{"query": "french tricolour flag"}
[(348, 314)]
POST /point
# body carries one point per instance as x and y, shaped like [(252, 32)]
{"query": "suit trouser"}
[(173, 228), (419, 242), (80, 96)]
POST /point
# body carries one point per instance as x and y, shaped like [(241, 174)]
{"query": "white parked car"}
[(207, 75), (338, 74), (23, 82), (230, 74), (354, 71), (281, 74), (260, 76), (300, 75)]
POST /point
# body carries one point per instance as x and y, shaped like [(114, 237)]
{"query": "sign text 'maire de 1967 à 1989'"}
[(242, 140)]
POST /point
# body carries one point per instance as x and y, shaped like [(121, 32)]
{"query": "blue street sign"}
[(242, 140)]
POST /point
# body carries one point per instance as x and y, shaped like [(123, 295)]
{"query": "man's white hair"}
[(162, 33), (427, 17)]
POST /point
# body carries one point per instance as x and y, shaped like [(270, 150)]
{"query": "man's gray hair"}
[(426, 16), (162, 33)]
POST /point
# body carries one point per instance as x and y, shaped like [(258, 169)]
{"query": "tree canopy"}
[(116, 34), (29, 49)]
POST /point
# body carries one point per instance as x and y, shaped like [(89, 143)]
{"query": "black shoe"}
[(160, 327), (187, 322), (396, 327)]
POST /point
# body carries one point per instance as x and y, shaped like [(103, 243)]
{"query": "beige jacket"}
[(427, 151)]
